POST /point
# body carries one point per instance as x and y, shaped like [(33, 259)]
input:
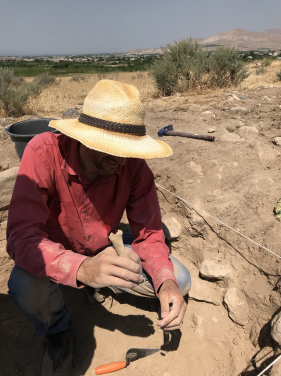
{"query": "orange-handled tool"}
[(111, 367), (131, 355)]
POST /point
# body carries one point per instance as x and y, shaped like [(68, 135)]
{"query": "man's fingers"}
[(123, 262), (118, 282), (164, 308), (122, 273), (174, 317), (133, 256)]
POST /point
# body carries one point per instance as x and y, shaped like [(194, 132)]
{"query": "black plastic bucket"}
[(23, 131)]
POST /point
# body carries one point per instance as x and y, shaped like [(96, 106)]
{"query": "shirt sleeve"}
[(27, 242), (144, 216)]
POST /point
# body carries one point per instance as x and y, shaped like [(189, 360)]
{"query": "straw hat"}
[(112, 121)]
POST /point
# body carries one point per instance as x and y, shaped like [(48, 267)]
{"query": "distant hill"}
[(246, 40), (242, 40)]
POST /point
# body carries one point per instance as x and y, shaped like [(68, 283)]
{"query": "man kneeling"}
[(70, 194)]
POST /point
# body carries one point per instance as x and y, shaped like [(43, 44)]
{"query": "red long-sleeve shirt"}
[(58, 217)]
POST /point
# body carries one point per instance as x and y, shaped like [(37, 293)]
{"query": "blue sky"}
[(97, 26)]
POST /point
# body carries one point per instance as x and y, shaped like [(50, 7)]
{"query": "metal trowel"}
[(131, 355)]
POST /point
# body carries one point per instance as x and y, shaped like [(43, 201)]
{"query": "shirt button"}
[(85, 211), (89, 237)]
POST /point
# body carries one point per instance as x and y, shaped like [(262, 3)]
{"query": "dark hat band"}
[(111, 126)]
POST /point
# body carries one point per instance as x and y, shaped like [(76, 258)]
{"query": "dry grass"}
[(57, 98), (269, 78)]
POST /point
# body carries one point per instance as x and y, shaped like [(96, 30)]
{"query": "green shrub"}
[(261, 70), (78, 78), (44, 79), (181, 68), (15, 92), (185, 65), (278, 74), (225, 68)]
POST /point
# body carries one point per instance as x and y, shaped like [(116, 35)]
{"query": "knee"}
[(182, 276), (27, 291)]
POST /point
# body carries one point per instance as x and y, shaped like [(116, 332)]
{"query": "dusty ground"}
[(236, 179)]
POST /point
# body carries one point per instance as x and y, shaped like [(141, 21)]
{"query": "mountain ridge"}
[(240, 39)]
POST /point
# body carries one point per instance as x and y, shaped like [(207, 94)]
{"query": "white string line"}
[(220, 221), (271, 364)]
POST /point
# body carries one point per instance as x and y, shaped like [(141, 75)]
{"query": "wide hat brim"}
[(114, 143)]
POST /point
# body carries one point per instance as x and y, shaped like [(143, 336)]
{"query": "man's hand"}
[(173, 306), (108, 269)]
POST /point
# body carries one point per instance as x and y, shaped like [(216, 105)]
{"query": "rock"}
[(198, 321), (246, 129), (261, 357), (241, 110), (277, 141), (231, 137), (267, 153), (7, 182), (267, 98), (276, 369), (203, 291), (171, 226), (195, 108), (213, 271), (178, 95), (4, 166), (70, 112), (237, 306), (235, 97), (241, 96), (211, 130), (207, 113), (231, 128), (276, 328), (6, 121)]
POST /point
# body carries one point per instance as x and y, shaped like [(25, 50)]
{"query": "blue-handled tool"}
[(168, 130)]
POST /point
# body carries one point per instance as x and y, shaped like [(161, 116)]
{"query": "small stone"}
[(195, 108), (6, 121), (237, 306), (231, 137), (4, 166), (235, 97), (241, 110), (178, 95), (267, 98), (246, 129), (203, 291), (213, 271), (211, 130), (241, 96), (70, 112), (171, 226), (277, 141), (276, 328)]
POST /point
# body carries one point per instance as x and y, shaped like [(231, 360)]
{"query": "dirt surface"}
[(237, 180)]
